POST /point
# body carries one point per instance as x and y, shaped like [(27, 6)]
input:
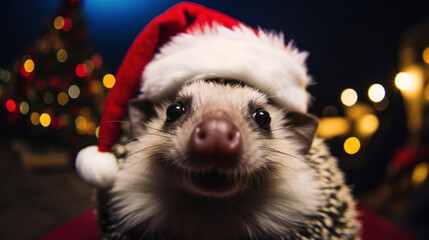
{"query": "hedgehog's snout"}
[(215, 141)]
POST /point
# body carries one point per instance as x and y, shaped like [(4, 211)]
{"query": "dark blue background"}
[(351, 43)]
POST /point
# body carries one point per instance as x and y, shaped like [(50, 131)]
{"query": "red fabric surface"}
[(84, 227), (181, 18), (409, 156), (377, 228)]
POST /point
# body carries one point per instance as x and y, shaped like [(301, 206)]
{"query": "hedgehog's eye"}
[(262, 118), (174, 111)]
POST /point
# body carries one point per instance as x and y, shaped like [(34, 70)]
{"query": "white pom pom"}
[(98, 169)]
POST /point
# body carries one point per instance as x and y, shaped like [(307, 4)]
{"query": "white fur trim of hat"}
[(258, 59)]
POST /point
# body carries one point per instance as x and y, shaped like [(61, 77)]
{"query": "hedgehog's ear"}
[(303, 126), (140, 111)]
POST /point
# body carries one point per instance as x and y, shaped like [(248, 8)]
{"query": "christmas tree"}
[(57, 88)]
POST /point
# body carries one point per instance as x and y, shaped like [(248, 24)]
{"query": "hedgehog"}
[(220, 161), (221, 145)]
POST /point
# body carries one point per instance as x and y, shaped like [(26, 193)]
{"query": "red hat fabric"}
[(175, 41)]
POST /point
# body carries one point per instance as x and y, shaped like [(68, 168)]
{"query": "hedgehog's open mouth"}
[(212, 183)]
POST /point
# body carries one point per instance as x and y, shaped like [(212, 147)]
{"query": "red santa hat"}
[(186, 43)]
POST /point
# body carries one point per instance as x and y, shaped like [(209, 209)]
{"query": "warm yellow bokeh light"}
[(90, 128), (349, 97), (62, 98), (97, 132), (420, 173), (45, 119), (351, 145), (58, 22), (403, 81), (23, 107), (425, 55), (62, 55), (330, 127), (29, 65), (35, 118), (74, 91), (109, 80), (358, 110), (376, 92), (367, 124), (81, 124)]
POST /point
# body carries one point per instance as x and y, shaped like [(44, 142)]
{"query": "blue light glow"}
[(113, 24)]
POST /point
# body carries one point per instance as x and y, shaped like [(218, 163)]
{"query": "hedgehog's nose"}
[(216, 140)]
